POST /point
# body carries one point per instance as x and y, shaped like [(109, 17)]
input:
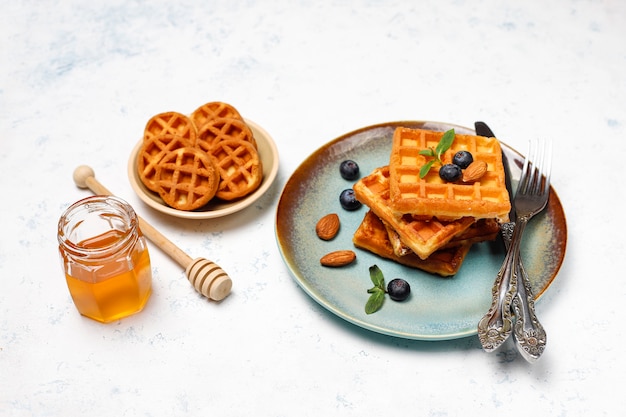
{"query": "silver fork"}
[(530, 336), (496, 326)]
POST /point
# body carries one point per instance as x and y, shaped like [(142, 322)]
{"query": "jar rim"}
[(116, 206)]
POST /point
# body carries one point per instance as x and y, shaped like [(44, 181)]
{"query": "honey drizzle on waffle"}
[(485, 198)]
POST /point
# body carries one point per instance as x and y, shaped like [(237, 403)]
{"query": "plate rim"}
[(307, 286), (268, 179)]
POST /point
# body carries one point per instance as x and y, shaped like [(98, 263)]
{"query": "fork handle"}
[(530, 336), (497, 324)]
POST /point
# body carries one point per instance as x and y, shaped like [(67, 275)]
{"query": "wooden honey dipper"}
[(205, 276)]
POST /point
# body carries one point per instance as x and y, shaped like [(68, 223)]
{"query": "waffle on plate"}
[(424, 221)]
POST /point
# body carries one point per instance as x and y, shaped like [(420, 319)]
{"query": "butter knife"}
[(530, 336)]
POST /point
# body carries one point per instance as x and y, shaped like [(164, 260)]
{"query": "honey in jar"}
[(105, 258)]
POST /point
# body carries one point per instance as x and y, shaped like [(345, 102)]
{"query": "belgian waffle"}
[(150, 154), (187, 178), (172, 123), (485, 198), (239, 168), (372, 236), (218, 130), (422, 236), (480, 231), (214, 110)]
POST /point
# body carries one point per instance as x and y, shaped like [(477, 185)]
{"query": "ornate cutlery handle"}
[(530, 337), (497, 324)]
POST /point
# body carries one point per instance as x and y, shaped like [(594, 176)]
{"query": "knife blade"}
[(482, 129)]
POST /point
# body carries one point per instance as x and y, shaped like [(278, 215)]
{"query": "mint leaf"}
[(444, 143), (426, 167), (377, 297), (376, 300), (376, 275)]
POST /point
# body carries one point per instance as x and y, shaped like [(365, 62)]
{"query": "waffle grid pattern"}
[(187, 178), (422, 236), (214, 110), (217, 130), (485, 198), (152, 152), (371, 235), (170, 123), (172, 150), (239, 168)]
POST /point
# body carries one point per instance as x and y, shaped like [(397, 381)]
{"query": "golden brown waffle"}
[(422, 236), (485, 198), (239, 167), (187, 178), (172, 123), (480, 231), (172, 159), (218, 130), (372, 236), (150, 154), (214, 110)]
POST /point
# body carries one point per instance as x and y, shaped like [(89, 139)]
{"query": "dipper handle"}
[(206, 276)]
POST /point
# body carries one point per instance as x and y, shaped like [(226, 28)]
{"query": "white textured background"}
[(78, 81)]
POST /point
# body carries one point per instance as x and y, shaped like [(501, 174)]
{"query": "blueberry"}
[(450, 172), (463, 159), (398, 289), (348, 200), (349, 170)]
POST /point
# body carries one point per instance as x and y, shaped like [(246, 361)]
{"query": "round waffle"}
[(218, 130), (187, 178), (173, 123), (152, 152), (239, 167), (214, 110)]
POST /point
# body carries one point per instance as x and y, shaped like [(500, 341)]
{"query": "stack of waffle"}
[(191, 160), (428, 223)]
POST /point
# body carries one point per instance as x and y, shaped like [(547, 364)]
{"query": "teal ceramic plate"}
[(438, 308)]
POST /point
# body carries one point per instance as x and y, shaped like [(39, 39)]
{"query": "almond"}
[(338, 258), (327, 227), (474, 171)]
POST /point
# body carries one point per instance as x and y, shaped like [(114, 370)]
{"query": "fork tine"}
[(537, 164), (525, 176), (542, 165), (547, 168)]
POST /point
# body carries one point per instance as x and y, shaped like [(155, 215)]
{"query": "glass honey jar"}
[(105, 258)]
